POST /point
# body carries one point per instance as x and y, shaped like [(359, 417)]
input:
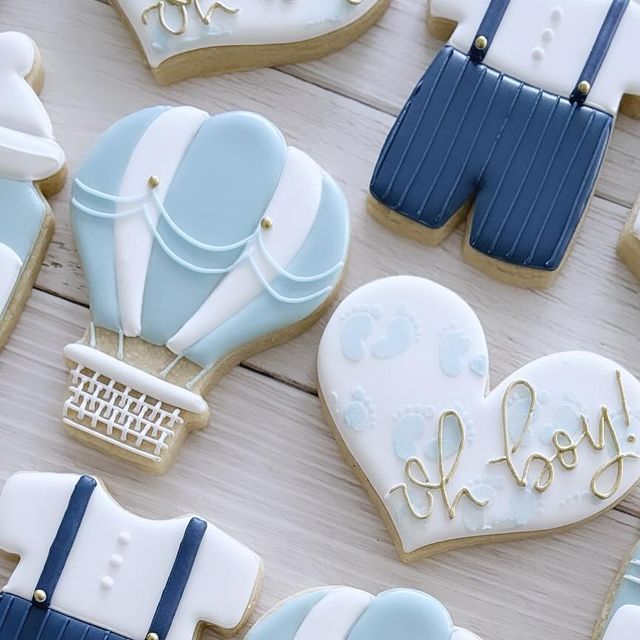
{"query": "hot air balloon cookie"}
[(204, 239), (342, 613), (620, 618), (403, 369), (186, 38), (32, 167)]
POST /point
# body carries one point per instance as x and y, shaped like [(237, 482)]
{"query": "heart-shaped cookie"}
[(449, 464), (186, 38), (341, 613)]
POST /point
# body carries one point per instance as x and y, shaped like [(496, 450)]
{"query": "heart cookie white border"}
[(403, 359)]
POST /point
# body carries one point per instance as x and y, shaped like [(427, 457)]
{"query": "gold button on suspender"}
[(481, 43)]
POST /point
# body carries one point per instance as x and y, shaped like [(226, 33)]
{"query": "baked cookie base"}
[(447, 545), (629, 243), (497, 269), (226, 59), (601, 624), (153, 359)]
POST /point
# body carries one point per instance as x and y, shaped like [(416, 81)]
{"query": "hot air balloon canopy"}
[(343, 613), (201, 238)]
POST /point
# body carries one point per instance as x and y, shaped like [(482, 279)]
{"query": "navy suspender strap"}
[(600, 50), (488, 29), (178, 579), (63, 542), (493, 18)]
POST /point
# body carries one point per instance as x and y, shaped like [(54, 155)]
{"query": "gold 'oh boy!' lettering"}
[(418, 475), (566, 448), (566, 455)]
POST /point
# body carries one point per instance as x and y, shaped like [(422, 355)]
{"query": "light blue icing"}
[(221, 189), (400, 336), (358, 326), (325, 246), (284, 622), (479, 365), (454, 344), (402, 614), (410, 426), (359, 414), (451, 440), (103, 169), (21, 216), (220, 192), (628, 592), (399, 614)]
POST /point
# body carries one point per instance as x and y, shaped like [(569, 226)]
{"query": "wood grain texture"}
[(267, 469)]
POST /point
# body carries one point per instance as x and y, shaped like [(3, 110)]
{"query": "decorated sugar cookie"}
[(32, 166), (508, 128), (186, 38), (629, 244), (203, 240), (404, 379), (90, 570), (621, 615), (341, 613)]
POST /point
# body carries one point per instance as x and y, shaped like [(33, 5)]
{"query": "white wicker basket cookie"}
[(203, 240)]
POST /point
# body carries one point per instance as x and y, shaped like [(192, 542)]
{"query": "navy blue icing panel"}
[(22, 620), (530, 157)]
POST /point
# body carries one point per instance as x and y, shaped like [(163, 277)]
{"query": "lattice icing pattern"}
[(204, 240), (130, 420)]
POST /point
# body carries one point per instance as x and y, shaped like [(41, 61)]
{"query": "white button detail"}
[(538, 53), (106, 583), (124, 538), (116, 560), (547, 35), (557, 14)]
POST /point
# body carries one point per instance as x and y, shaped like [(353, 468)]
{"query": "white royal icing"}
[(119, 558), (294, 206), (546, 43), (429, 342), (10, 268), (334, 616), (244, 22), (624, 624), (203, 234), (27, 148), (157, 154)]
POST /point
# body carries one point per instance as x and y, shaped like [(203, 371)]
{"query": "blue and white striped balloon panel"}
[(204, 233), (341, 613)]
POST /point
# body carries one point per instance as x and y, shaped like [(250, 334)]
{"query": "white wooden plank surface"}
[(267, 469)]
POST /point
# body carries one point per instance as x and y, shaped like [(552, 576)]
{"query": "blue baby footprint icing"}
[(479, 365), (451, 440), (453, 346), (357, 328), (360, 412), (401, 334), (409, 428)]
